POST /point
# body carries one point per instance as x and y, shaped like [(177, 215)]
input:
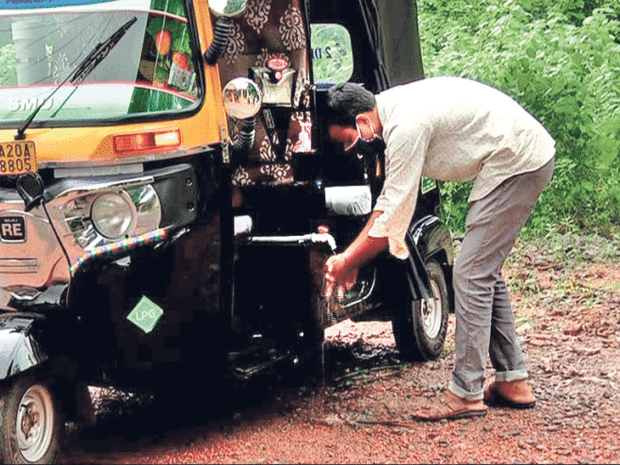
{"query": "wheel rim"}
[(35, 423), (432, 313)]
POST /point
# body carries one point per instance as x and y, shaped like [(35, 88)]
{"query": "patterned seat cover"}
[(268, 29)]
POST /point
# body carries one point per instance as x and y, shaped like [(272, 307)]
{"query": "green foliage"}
[(561, 60)]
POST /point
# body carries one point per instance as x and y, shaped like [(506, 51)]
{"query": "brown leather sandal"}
[(494, 398), (513, 390)]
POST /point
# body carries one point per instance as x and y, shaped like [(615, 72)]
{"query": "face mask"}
[(369, 150), (360, 141)]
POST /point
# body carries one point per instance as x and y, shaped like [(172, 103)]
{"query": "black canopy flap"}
[(401, 40)]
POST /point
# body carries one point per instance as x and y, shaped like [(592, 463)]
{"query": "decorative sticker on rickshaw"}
[(181, 78), (170, 56), (304, 142), (145, 314)]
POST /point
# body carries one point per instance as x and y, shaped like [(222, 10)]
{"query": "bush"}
[(561, 60)]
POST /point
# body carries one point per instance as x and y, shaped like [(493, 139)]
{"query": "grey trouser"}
[(484, 320)]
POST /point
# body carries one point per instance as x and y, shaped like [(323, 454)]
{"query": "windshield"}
[(149, 70)]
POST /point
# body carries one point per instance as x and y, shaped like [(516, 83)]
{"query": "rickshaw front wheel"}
[(30, 422), (421, 326)]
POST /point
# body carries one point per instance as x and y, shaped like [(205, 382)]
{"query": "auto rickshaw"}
[(169, 196)]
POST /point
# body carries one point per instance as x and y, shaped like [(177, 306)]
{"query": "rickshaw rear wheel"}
[(420, 328), (31, 422)]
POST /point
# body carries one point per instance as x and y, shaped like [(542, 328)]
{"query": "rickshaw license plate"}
[(17, 157)]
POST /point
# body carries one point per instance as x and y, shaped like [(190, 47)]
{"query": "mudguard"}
[(376, 294), (431, 237), (22, 344), (428, 239)]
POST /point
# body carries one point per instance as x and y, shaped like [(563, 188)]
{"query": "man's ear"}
[(361, 119), (365, 126)]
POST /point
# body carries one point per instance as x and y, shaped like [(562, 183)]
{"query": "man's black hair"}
[(346, 101)]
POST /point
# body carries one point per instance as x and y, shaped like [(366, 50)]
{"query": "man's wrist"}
[(348, 259)]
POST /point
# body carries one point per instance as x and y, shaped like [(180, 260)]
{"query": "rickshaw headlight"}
[(113, 215)]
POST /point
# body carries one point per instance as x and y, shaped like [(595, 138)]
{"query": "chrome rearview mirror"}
[(224, 10), (228, 8), (242, 98)]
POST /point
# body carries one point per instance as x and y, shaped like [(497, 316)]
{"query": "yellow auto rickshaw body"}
[(125, 106)]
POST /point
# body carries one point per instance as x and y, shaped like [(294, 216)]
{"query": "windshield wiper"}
[(88, 64)]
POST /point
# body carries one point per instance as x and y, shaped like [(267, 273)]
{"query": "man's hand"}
[(339, 274), (341, 270)]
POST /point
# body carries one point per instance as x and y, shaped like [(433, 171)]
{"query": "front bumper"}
[(44, 248)]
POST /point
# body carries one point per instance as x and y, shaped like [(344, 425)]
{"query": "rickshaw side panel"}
[(21, 351), (31, 340), (179, 277)]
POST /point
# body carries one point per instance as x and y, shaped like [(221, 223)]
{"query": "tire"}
[(31, 425), (420, 328)]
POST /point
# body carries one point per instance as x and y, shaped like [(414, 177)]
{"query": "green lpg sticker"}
[(145, 315)]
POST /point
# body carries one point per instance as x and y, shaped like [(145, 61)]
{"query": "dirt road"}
[(568, 316)]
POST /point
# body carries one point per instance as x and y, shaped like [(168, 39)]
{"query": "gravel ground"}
[(567, 309)]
